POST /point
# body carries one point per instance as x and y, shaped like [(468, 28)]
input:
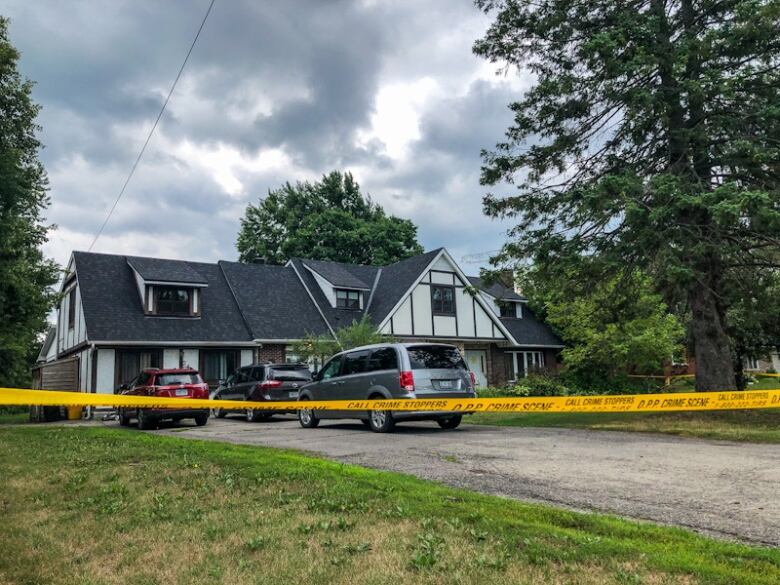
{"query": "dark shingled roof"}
[(113, 309), (336, 317), (273, 301), (159, 270), (340, 275), (530, 330), (496, 290), (243, 302)]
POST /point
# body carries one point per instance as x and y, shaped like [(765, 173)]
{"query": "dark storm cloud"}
[(301, 76)]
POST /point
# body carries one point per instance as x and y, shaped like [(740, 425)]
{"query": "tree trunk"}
[(714, 370)]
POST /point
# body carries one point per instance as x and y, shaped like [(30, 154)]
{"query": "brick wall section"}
[(497, 374), (274, 353)]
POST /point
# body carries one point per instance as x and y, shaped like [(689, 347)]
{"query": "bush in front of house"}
[(568, 384), (532, 385)]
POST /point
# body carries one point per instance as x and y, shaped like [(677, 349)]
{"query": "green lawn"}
[(762, 426), (15, 416), (93, 505)]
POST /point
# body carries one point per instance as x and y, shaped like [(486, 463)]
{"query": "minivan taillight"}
[(473, 379), (407, 381)]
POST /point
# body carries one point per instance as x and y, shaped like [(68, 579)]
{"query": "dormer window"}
[(510, 310), (173, 301), (347, 299)]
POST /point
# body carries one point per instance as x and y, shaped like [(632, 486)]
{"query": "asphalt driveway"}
[(715, 487)]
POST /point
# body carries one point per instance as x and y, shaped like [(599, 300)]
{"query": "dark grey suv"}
[(262, 383), (390, 371)]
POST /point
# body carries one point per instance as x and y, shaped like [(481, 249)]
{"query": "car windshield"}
[(291, 374), (435, 357), (172, 379)]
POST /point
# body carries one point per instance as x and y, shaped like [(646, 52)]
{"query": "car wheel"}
[(218, 413), (450, 422), (253, 415), (381, 421), (365, 423), (146, 422), (307, 418), (124, 420), (201, 419)]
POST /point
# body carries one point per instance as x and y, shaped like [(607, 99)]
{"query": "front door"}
[(477, 361)]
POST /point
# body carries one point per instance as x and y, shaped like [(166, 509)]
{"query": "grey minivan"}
[(390, 371)]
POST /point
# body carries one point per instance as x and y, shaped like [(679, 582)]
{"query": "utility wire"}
[(154, 127)]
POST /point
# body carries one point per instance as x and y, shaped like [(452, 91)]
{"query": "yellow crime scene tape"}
[(679, 401)]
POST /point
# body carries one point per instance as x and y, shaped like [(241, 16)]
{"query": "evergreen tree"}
[(26, 277), (649, 140)]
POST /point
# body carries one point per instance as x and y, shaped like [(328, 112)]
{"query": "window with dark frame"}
[(443, 299), (72, 308), (508, 309), (173, 301), (347, 299)]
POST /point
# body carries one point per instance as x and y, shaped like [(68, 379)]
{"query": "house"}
[(120, 314)]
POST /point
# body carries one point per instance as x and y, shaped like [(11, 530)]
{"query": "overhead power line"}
[(154, 127)]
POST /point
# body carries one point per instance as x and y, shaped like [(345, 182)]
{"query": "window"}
[(216, 364), (347, 299), (428, 357), (257, 374), (72, 308), (130, 363), (520, 363), (443, 300), (383, 359), (355, 362), (173, 301), (332, 369), (507, 309), (290, 374), (174, 379)]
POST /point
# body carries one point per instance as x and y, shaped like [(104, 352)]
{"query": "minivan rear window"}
[(171, 379), (435, 357), (290, 374)]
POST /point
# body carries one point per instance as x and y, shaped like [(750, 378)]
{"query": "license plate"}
[(181, 392), (293, 395), (445, 383)]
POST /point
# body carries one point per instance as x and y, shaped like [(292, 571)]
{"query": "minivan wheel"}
[(381, 421), (124, 420), (450, 422), (218, 413), (201, 419), (307, 418)]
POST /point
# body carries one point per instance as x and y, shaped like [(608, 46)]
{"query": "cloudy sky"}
[(274, 91)]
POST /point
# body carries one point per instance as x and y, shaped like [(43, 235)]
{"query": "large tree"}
[(325, 220), (649, 139), (25, 276), (612, 328)]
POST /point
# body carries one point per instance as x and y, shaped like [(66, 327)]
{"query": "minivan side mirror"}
[(123, 387)]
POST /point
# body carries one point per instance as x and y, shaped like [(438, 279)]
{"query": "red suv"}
[(170, 383)]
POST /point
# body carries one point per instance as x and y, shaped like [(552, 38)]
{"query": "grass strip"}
[(93, 506)]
